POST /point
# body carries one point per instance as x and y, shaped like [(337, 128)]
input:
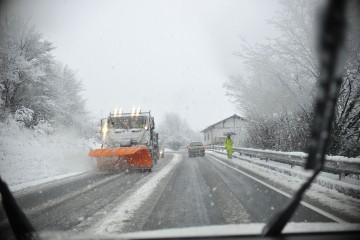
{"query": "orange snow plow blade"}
[(125, 157)]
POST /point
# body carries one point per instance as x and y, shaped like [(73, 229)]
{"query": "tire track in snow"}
[(122, 214), (52, 203), (55, 202), (233, 211)]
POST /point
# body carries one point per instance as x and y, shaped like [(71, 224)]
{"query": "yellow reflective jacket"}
[(228, 143)]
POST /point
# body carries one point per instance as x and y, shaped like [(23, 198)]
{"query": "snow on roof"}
[(233, 116)]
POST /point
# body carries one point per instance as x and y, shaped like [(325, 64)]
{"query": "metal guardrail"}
[(340, 167)]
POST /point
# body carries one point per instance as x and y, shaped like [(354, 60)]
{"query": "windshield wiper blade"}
[(331, 44), (19, 223), (276, 225)]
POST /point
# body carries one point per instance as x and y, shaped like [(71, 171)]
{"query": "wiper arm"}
[(276, 224), (331, 51), (19, 223)]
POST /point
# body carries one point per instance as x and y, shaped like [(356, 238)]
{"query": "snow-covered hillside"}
[(27, 155)]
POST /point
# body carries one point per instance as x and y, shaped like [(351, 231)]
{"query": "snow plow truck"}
[(128, 141)]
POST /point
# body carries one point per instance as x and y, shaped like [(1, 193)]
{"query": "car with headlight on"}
[(161, 152), (196, 149)]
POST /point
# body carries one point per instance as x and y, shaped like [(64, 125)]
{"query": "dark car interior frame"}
[(331, 41)]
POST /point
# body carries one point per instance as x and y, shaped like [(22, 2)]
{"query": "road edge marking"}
[(316, 209)]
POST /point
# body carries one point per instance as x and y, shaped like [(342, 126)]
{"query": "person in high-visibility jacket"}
[(229, 146)]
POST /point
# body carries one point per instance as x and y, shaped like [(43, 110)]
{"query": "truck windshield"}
[(126, 122)]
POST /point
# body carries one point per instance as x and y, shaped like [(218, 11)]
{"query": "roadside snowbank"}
[(28, 156), (348, 186)]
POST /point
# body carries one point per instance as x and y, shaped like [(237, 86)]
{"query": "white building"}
[(214, 134)]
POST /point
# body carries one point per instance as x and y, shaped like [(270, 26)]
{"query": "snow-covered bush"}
[(24, 115), (44, 127)]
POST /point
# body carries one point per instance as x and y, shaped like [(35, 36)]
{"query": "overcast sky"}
[(165, 56)]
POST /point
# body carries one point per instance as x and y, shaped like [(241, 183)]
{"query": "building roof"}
[(213, 125)]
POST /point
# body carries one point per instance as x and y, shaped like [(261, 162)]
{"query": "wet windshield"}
[(218, 100)]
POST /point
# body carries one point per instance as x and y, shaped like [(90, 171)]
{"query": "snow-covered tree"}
[(24, 59), (175, 130), (277, 92), (30, 78), (345, 138), (70, 104)]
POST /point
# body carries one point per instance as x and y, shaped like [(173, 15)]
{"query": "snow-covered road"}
[(179, 192)]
